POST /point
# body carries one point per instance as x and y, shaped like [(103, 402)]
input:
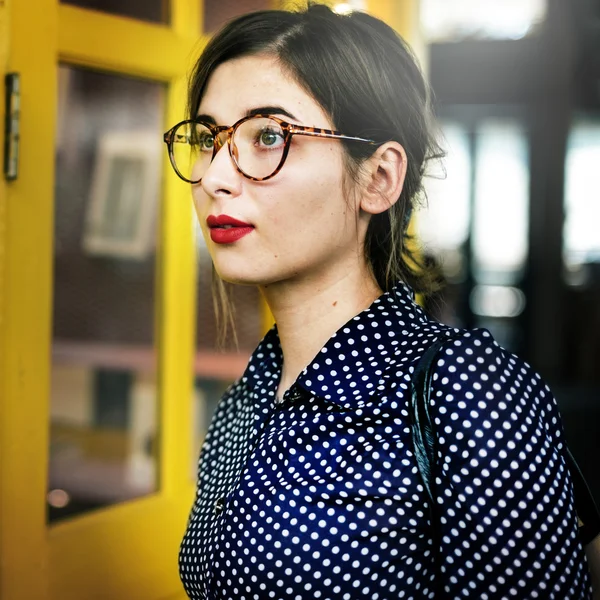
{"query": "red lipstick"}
[(226, 230)]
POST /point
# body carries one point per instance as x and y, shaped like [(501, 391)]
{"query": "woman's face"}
[(302, 225)]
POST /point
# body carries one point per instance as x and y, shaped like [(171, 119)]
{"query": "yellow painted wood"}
[(176, 323), (113, 43), (26, 308), (180, 596), (4, 389), (4, 46), (186, 18), (266, 315), (125, 552)]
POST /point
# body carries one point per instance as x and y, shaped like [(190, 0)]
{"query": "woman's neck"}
[(308, 314)]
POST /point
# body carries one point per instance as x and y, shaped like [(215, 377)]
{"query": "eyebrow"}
[(259, 110)]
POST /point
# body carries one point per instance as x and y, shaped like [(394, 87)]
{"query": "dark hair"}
[(368, 81)]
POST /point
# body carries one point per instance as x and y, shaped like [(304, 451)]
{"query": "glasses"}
[(258, 145)]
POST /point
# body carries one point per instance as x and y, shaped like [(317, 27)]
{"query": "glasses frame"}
[(289, 130)]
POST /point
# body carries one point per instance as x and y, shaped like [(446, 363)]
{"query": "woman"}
[(309, 135)]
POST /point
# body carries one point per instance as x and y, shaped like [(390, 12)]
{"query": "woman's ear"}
[(384, 178)]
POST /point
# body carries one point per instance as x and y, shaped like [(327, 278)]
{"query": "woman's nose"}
[(222, 176)]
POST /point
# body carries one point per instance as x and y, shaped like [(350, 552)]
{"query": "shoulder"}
[(474, 365), (503, 486), (481, 390)]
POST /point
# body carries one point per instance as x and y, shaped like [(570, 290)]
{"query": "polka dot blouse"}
[(319, 496)]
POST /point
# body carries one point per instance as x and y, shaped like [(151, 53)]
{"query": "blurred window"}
[(154, 11), (443, 226), (103, 425), (494, 214), (475, 224), (501, 219), (454, 20), (581, 238)]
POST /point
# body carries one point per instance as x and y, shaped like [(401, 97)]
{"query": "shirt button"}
[(295, 394), (219, 506)]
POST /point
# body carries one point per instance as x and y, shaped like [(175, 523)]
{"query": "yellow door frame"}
[(26, 288)]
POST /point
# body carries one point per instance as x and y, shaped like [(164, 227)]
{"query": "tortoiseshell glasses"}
[(258, 145)]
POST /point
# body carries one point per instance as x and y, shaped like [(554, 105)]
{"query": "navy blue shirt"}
[(319, 496)]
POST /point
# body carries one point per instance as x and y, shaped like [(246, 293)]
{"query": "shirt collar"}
[(353, 363)]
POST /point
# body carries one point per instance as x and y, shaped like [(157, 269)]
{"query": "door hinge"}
[(11, 125)]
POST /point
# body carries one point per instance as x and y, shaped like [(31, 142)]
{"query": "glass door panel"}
[(103, 393), (154, 11)]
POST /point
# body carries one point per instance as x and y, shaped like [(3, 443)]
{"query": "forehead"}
[(247, 83)]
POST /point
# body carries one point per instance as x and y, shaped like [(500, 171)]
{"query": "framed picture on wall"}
[(124, 195)]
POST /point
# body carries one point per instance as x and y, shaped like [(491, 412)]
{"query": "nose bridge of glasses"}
[(221, 135)]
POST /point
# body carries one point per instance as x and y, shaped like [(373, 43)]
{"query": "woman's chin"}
[(238, 276), (249, 276)]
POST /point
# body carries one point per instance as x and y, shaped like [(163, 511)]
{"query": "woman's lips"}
[(228, 236), (226, 230)]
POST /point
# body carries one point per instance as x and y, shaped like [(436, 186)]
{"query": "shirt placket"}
[(266, 410)]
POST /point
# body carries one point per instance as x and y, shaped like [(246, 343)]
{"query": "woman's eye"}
[(206, 142), (270, 138)]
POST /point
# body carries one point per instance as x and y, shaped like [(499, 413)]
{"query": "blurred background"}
[(124, 309), (514, 221)]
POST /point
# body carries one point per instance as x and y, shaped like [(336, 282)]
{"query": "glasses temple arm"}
[(330, 134)]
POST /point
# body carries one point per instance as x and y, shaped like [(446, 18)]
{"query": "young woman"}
[(306, 144)]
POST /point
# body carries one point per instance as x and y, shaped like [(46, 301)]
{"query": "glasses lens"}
[(192, 150), (258, 146)]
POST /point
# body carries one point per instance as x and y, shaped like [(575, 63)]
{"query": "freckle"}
[(335, 303)]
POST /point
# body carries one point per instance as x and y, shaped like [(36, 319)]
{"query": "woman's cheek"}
[(200, 208)]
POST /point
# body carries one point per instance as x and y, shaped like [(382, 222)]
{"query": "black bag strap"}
[(587, 511), (424, 440), (423, 429)]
